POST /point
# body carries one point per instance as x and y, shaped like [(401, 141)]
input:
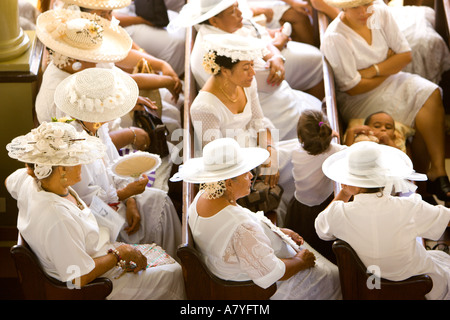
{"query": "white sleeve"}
[(256, 256), (394, 36), (340, 54)]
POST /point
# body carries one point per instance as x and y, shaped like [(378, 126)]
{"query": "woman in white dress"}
[(149, 212), (238, 244), (430, 53), (367, 52), (75, 248), (383, 229), (228, 106), (279, 101)]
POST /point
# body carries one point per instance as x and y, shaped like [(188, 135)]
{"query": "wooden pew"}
[(330, 88), (200, 283), (442, 12)]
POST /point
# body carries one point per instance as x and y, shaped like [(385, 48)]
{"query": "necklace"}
[(58, 194), (87, 129), (227, 96)]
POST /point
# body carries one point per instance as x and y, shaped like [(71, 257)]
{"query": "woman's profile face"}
[(242, 185), (73, 174), (359, 15), (242, 73), (228, 20)]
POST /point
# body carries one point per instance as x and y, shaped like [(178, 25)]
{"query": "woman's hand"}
[(129, 253), (143, 102), (307, 259), (142, 140), (133, 188), (269, 169), (294, 235), (133, 216), (277, 72)]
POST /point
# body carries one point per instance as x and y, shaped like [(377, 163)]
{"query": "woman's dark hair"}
[(225, 62), (314, 131)]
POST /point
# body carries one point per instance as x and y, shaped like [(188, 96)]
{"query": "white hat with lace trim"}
[(97, 94), (55, 144)]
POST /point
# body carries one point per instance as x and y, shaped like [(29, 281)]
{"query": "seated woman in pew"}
[(61, 229), (280, 102), (383, 229), (149, 212), (367, 53), (430, 53), (238, 244), (70, 57), (228, 106), (112, 48)]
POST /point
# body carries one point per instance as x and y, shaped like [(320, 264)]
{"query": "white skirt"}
[(401, 95)]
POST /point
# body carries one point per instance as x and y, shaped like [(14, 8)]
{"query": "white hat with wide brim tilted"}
[(97, 94), (222, 159), (55, 144), (368, 164), (83, 36)]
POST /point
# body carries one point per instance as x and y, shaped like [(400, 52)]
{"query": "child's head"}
[(381, 122), (314, 131)]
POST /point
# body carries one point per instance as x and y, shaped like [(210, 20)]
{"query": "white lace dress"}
[(238, 246), (401, 95), (281, 105)]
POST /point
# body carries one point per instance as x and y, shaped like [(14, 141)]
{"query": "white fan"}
[(135, 164)]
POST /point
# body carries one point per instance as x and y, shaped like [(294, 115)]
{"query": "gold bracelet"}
[(134, 132)]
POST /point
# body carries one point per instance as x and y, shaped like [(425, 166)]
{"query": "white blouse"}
[(312, 187), (383, 232), (65, 238)]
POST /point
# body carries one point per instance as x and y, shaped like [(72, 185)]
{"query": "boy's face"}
[(382, 123)]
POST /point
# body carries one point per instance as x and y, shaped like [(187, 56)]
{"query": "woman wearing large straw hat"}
[(98, 42), (228, 106), (151, 216), (367, 53), (238, 244), (75, 249), (381, 228)]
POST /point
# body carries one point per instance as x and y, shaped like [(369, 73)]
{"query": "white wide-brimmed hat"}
[(347, 3), (97, 94), (55, 144), (222, 159), (82, 36), (367, 164), (100, 4), (197, 11), (235, 47)]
